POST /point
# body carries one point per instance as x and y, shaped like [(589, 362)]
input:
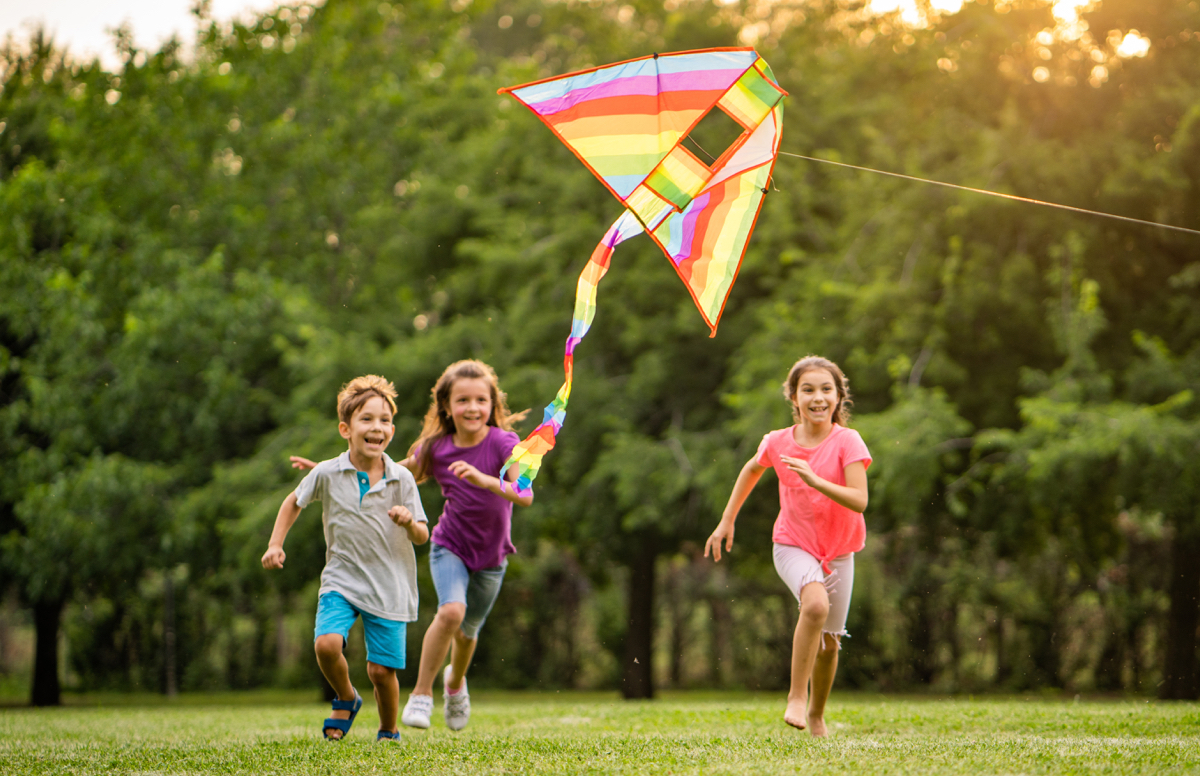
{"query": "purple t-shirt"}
[(476, 524)]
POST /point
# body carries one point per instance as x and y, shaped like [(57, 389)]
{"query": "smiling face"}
[(816, 398), (370, 429), (470, 405)]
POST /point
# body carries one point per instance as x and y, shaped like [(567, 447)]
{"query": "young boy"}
[(372, 517)]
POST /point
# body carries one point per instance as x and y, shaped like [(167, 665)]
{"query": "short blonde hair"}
[(358, 392)]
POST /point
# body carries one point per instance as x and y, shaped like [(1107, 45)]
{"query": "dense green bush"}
[(195, 252)]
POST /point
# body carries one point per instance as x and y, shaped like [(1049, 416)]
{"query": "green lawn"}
[(577, 733)]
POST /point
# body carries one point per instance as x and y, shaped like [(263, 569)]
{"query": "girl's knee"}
[(814, 613), (814, 603), (452, 614), (830, 643)]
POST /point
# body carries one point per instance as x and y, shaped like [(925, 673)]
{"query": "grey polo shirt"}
[(368, 558)]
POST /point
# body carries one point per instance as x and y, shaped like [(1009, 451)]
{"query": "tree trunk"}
[(170, 685), (1181, 681), (1002, 671), (637, 680), (720, 658), (678, 591), (921, 622), (47, 616), (6, 609)]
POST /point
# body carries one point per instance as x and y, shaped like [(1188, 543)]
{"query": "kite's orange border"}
[(509, 90), (712, 325), (622, 62)]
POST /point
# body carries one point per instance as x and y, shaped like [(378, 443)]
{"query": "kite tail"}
[(528, 454)]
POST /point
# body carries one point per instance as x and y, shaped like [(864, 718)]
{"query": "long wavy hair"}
[(439, 422), (841, 413)]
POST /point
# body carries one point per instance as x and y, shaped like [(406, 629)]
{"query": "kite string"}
[(1012, 197)]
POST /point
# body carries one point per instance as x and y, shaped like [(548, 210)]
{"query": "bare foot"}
[(796, 713), (816, 726)]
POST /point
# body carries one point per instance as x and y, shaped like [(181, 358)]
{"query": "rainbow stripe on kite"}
[(627, 123)]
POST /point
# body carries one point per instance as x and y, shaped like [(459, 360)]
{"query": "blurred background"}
[(202, 239)]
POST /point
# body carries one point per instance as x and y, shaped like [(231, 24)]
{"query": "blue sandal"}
[(387, 735), (342, 724)]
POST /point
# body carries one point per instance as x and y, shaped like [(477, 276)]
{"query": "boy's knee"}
[(452, 614), (329, 644), (379, 674)]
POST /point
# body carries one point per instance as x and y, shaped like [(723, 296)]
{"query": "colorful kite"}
[(627, 123)]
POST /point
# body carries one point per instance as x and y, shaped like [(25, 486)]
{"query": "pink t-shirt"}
[(809, 519)]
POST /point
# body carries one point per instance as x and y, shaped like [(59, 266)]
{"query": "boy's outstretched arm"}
[(289, 510), (747, 478)]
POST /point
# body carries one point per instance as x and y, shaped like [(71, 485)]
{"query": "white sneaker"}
[(457, 706), (417, 711)]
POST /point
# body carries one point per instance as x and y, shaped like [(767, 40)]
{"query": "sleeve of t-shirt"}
[(410, 497), (310, 488), (855, 449), (763, 457), (508, 441)]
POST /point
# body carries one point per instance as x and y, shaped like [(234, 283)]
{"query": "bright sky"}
[(81, 25)]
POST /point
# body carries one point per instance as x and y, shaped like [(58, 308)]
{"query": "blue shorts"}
[(385, 638), (455, 583)]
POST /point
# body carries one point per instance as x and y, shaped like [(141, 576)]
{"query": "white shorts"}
[(798, 568)]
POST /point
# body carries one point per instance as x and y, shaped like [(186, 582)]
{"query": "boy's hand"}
[(465, 471), (401, 516), (273, 558), (303, 464)]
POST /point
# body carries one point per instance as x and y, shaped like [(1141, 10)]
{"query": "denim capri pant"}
[(455, 583)]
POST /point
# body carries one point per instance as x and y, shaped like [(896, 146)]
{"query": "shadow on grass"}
[(275, 697)]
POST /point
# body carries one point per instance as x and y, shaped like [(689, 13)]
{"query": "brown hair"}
[(439, 423), (841, 413), (358, 392)]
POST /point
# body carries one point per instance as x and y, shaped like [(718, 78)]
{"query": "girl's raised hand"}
[(801, 468), (724, 532), (303, 464), (465, 471)]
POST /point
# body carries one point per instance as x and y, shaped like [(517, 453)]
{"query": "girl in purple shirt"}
[(466, 439)]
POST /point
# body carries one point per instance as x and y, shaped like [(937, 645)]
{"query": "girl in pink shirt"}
[(822, 470)]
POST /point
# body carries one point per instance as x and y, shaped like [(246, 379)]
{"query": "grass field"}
[(577, 733)]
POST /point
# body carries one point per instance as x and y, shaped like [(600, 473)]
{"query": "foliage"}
[(197, 252)]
